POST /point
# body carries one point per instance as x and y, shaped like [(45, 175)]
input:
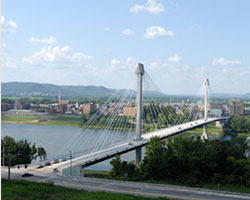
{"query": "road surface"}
[(127, 187)]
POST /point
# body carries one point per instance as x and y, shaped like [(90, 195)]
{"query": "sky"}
[(96, 42)]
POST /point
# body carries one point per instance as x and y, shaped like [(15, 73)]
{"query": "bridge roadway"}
[(124, 147)]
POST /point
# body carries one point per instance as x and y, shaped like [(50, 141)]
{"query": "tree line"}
[(20, 152), (155, 116), (241, 124), (190, 161)]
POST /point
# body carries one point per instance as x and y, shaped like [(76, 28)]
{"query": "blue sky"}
[(94, 42)]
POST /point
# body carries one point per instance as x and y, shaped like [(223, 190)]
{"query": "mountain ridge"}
[(33, 89)]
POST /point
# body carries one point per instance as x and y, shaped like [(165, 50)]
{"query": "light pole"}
[(3, 156), (9, 163), (70, 157)]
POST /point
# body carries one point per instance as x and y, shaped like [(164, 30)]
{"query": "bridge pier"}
[(204, 134), (139, 104)]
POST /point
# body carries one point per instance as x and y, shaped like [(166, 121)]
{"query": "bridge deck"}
[(93, 158)]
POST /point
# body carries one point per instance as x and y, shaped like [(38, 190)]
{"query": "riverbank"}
[(20, 189), (72, 120), (51, 120)]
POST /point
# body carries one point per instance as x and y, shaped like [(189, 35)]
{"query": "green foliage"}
[(41, 153), (103, 121), (26, 100), (154, 117), (241, 124), (192, 161), (57, 120), (122, 168), (83, 119), (19, 152), (153, 165)]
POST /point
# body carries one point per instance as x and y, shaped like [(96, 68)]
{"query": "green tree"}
[(18, 152), (41, 153), (154, 162)]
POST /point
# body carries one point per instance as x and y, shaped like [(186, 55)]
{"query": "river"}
[(58, 140)]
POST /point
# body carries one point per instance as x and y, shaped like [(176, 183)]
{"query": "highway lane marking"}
[(126, 191)]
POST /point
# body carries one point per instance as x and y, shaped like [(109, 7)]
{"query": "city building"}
[(129, 111), (62, 105), (6, 106), (89, 108), (17, 106), (236, 107), (247, 111), (216, 112)]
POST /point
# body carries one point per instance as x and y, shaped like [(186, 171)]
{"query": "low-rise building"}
[(247, 111), (89, 108), (129, 111), (6, 106), (215, 112), (236, 107)]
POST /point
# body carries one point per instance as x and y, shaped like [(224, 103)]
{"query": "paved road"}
[(134, 188)]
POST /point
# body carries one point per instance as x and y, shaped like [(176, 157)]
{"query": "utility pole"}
[(70, 154), (9, 163), (139, 73), (3, 155), (204, 135)]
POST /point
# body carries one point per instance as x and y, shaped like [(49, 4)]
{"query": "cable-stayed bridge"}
[(127, 121)]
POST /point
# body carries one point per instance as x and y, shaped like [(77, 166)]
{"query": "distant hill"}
[(24, 89), (28, 89), (221, 95)]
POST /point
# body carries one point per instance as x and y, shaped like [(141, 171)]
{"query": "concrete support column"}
[(205, 135), (139, 104)]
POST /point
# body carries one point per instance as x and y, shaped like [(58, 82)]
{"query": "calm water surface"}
[(58, 140)]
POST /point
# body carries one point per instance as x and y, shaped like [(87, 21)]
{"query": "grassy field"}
[(244, 134), (211, 128), (44, 120), (27, 190)]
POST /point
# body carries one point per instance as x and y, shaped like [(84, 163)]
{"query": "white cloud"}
[(50, 40), (115, 63), (56, 56), (155, 65), (128, 65), (129, 60), (224, 62), (174, 59), (107, 29), (151, 6), (127, 32), (8, 26), (154, 32)]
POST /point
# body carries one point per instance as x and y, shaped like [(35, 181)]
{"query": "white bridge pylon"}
[(206, 87), (179, 124)]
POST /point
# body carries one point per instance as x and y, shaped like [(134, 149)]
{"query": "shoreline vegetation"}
[(75, 121), (43, 120)]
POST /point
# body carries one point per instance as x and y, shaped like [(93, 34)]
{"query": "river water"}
[(58, 140)]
